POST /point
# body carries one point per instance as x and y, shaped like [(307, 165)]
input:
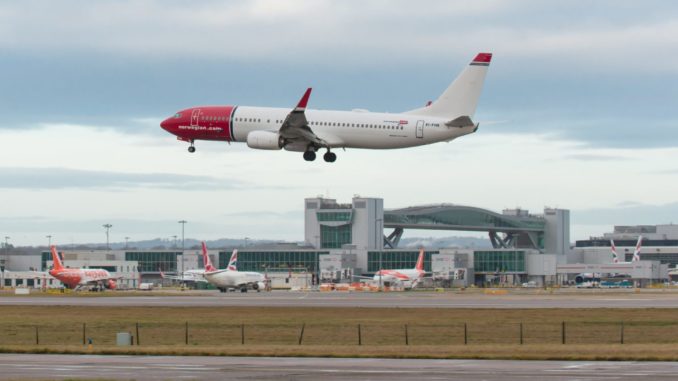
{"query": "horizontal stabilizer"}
[(462, 121)]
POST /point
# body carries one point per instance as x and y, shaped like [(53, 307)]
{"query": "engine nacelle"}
[(260, 286), (111, 285), (265, 140)]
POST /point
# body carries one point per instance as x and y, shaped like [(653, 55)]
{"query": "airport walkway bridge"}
[(519, 230)]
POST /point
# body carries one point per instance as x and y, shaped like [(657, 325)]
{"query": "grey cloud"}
[(64, 178), (634, 214)]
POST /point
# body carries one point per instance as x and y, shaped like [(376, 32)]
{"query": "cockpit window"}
[(177, 115)]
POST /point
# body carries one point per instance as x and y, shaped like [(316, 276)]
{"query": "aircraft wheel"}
[(244, 289), (330, 157), (309, 155), (191, 149)]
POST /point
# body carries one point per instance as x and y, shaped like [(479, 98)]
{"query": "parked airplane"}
[(80, 278), (409, 278), (636, 251), (197, 275), (595, 278), (307, 131), (230, 277)]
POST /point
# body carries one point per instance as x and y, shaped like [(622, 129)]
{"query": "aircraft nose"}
[(165, 124)]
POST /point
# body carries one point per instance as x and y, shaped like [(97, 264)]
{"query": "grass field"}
[(430, 333)]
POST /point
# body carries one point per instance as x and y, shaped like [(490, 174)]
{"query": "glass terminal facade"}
[(274, 261), (154, 261), (509, 261), (333, 237)]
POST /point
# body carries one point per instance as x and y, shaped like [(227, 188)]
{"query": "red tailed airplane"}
[(308, 131)]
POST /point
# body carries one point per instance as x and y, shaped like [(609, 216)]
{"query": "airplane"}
[(592, 278), (409, 278), (636, 251), (197, 275), (308, 131), (230, 277), (76, 278)]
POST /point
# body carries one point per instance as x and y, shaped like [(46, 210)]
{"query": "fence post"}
[(521, 333), (407, 336), (37, 336), (84, 333), (622, 333), (137, 332), (563, 332), (465, 335), (360, 339), (186, 331), (242, 333), (301, 334)]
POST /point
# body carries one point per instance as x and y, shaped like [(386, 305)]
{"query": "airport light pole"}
[(49, 241), (4, 262), (126, 242), (175, 241), (381, 249), (183, 224), (108, 228)]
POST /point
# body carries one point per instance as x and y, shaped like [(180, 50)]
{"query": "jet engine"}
[(110, 284), (260, 286), (265, 140)]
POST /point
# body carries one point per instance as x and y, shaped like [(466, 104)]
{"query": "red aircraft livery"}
[(79, 278)]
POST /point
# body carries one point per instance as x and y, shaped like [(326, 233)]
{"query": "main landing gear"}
[(191, 148), (329, 157), (309, 155)]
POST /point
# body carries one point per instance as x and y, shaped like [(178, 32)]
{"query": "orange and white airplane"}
[(308, 131), (76, 278), (409, 278)]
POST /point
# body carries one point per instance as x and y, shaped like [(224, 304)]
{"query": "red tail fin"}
[(420, 260), (55, 258), (206, 259)]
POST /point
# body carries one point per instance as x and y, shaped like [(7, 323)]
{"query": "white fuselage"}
[(351, 129), (233, 278)]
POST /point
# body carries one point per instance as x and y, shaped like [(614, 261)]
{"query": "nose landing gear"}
[(191, 148)]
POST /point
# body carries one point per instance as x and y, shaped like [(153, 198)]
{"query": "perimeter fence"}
[(471, 333)]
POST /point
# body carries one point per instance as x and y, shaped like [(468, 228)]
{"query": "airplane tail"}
[(420, 261), (636, 252), (233, 263), (58, 265), (206, 259), (615, 257), (461, 97)]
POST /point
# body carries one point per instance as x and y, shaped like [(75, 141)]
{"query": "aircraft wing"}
[(295, 128)]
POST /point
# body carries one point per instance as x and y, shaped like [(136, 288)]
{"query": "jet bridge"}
[(512, 229)]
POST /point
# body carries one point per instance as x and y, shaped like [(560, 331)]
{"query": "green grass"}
[(648, 334)]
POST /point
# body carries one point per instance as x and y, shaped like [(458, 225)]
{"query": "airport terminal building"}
[(344, 241)]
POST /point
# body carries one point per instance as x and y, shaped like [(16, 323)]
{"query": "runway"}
[(51, 367), (363, 300)]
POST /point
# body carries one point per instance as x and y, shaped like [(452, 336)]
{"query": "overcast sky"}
[(578, 111)]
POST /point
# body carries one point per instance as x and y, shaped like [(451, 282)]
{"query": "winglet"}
[(482, 59), (55, 259), (303, 101)]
